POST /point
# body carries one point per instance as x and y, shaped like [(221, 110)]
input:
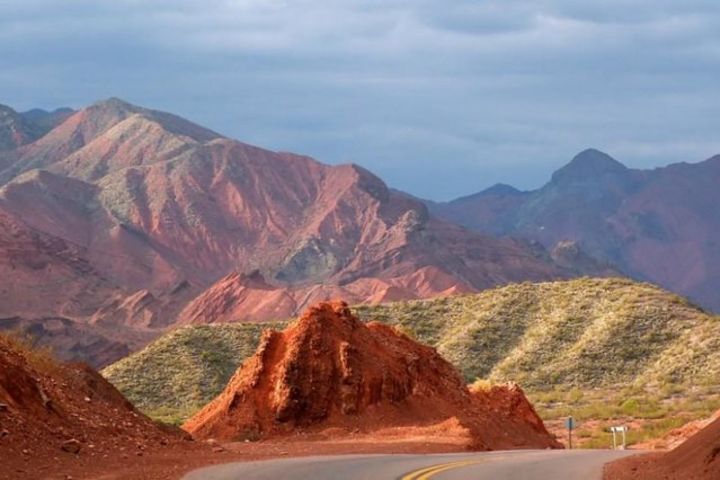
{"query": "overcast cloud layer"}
[(440, 98)]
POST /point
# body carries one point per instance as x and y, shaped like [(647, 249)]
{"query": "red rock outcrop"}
[(510, 401), (698, 458), (331, 372)]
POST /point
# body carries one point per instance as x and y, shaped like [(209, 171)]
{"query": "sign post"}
[(570, 424), (621, 429)]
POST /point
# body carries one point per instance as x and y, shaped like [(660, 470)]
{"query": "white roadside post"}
[(620, 429)]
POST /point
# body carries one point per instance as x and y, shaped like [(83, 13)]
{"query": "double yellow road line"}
[(428, 472)]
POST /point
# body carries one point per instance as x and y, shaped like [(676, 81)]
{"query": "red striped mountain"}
[(660, 225), (124, 214)]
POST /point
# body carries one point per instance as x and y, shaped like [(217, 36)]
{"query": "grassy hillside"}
[(613, 338), (183, 370), (584, 333)]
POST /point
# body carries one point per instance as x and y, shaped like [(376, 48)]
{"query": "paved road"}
[(511, 465)]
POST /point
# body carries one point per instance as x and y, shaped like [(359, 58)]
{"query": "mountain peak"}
[(592, 158), (114, 104), (113, 110), (588, 164), (500, 189)]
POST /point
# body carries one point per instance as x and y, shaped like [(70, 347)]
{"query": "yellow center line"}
[(414, 474), (428, 472)]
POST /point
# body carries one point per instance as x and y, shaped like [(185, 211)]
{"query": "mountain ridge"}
[(657, 225)]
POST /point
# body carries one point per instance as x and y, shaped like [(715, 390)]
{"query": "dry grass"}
[(40, 357), (481, 385)]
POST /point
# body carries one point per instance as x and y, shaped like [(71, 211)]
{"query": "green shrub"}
[(630, 407)]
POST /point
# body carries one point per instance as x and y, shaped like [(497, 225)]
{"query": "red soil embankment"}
[(56, 418), (698, 458)]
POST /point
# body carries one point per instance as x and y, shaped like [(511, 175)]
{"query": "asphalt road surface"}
[(508, 465)]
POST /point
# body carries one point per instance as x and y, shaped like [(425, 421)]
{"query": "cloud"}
[(439, 98)]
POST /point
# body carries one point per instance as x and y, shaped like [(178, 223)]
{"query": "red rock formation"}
[(330, 371), (509, 400)]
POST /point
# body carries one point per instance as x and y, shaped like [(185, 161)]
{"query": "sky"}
[(440, 98)]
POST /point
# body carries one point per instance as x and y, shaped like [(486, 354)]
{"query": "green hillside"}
[(180, 372), (554, 338), (583, 333)]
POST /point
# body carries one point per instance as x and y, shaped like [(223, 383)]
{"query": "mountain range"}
[(118, 222), (660, 225)]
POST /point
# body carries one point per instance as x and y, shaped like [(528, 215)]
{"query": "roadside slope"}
[(56, 417), (698, 458)]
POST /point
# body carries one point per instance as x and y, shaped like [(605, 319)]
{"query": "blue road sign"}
[(570, 423)]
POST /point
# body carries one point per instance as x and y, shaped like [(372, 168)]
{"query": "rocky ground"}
[(57, 420)]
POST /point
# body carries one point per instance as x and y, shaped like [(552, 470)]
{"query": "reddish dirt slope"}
[(54, 416), (698, 458), (329, 372)]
